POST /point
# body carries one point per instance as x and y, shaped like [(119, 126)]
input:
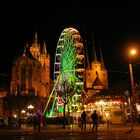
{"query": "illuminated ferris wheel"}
[(69, 65), (69, 68)]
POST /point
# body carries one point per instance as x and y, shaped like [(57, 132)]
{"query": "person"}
[(38, 122), (94, 118), (83, 120), (44, 121), (9, 121), (35, 122), (5, 121), (79, 121)]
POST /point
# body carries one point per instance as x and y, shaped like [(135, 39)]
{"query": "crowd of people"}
[(39, 121)]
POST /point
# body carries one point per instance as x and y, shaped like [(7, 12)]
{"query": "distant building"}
[(30, 80), (31, 71), (96, 76)]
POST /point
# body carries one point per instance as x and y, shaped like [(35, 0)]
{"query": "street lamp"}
[(132, 53)]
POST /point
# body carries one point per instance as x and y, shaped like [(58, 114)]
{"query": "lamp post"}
[(132, 53)]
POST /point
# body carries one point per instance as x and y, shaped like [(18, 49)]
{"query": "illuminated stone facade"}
[(96, 76), (31, 71)]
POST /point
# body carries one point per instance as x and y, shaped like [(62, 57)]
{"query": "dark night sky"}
[(113, 27)]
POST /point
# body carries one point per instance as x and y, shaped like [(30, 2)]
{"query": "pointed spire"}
[(44, 50), (27, 51), (35, 38), (94, 53), (25, 48), (102, 61)]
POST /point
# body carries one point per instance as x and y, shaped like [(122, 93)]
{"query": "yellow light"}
[(30, 107), (107, 115), (85, 105), (23, 111), (133, 51)]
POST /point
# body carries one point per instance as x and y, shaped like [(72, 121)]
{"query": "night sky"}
[(114, 28)]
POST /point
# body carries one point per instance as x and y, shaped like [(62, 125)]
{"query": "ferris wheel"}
[(69, 66)]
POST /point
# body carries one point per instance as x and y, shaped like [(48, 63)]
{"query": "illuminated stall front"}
[(109, 107)]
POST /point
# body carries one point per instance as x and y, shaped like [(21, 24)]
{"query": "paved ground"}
[(74, 128), (73, 132)]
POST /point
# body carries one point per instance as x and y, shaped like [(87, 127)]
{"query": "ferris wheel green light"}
[(68, 69)]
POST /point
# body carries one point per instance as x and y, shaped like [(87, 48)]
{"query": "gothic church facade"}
[(96, 75), (31, 71)]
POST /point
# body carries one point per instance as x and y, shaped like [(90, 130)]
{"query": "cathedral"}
[(31, 72), (30, 80)]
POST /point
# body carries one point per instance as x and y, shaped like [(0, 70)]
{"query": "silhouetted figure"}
[(39, 122), (79, 121), (6, 121), (94, 118), (44, 121), (9, 121), (83, 120), (35, 123)]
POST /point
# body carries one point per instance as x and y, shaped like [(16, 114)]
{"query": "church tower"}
[(45, 63), (96, 75), (35, 48)]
